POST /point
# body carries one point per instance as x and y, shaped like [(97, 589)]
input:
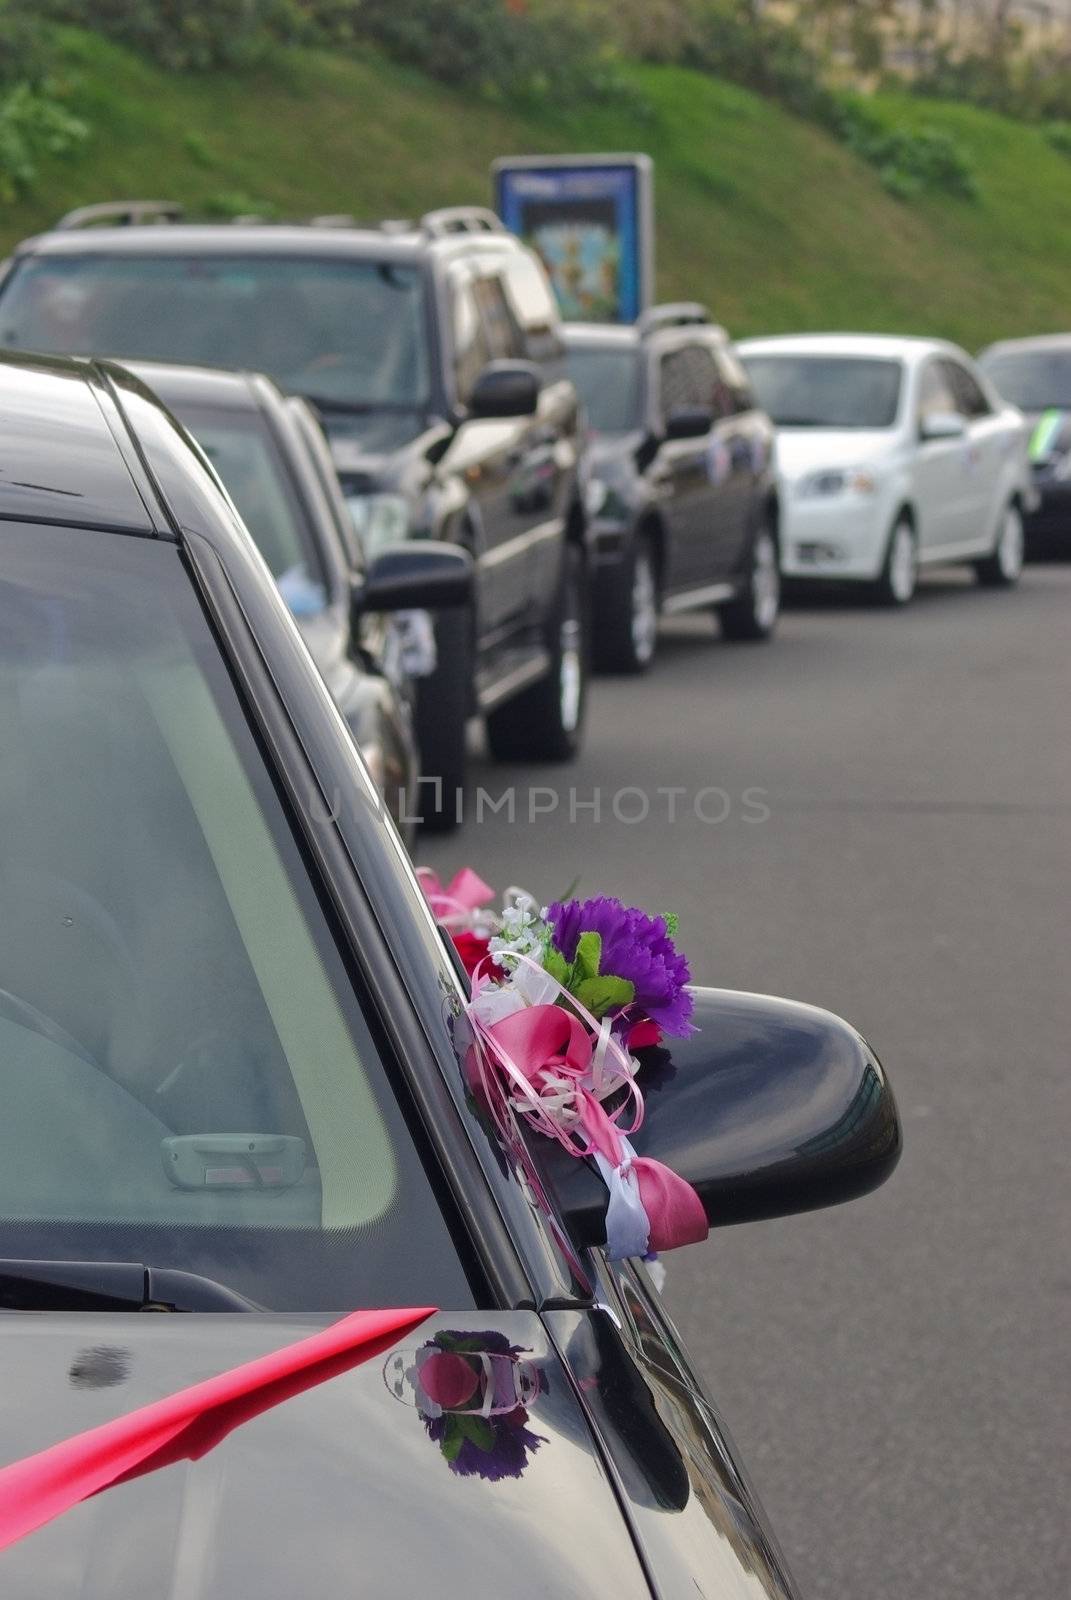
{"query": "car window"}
[(969, 395), (607, 379), (819, 391), (472, 351), (503, 334), (187, 1075), (243, 452), (936, 395), (687, 380), (1036, 380), (347, 330)]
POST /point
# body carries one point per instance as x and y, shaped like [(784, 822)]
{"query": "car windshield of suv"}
[(1034, 380), (351, 331), (799, 391), (187, 1077), (241, 449), (607, 380)]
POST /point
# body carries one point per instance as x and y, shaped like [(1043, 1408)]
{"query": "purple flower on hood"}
[(634, 946)]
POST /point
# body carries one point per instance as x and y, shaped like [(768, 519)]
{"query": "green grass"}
[(763, 216)]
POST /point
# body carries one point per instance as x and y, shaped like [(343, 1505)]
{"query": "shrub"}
[(33, 123), (185, 34), (910, 162)]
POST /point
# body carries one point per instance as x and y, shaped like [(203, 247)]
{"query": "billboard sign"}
[(591, 221)]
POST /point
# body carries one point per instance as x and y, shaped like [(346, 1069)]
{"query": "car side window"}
[(471, 348), (936, 395), (687, 379), (970, 396), (501, 330)]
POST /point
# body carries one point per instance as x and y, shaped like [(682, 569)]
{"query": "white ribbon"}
[(628, 1227)]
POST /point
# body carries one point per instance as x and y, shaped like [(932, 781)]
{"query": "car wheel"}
[(900, 571), (754, 612), (545, 722), (626, 630), (443, 703), (1002, 569)]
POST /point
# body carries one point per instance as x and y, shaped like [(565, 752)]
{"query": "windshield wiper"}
[(111, 1286)]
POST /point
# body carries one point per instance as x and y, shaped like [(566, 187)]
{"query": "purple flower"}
[(634, 946)]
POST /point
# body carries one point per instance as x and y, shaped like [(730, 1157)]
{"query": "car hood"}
[(346, 1488), (803, 450), (368, 446)]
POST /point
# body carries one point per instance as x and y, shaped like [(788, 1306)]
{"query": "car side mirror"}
[(418, 575), (689, 422), (506, 389), (942, 425), (770, 1108)]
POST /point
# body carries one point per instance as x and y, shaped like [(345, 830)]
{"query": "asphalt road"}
[(895, 1372)]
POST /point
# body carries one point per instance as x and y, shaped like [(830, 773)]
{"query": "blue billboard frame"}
[(591, 220)]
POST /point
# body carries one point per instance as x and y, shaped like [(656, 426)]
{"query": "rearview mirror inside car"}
[(506, 389), (942, 425), (771, 1107), (423, 575), (689, 422)]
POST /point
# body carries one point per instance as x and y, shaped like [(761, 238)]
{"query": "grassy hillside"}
[(766, 218)]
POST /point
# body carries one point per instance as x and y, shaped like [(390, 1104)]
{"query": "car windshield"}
[(607, 380), (814, 391), (1035, 380), (245, 455), (347, 330), (188, 1077)]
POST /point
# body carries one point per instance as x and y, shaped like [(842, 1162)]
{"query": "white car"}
[(892, 454)]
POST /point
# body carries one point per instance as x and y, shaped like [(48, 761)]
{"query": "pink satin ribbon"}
[(559, 1067), (453, 904), (40, 1487)]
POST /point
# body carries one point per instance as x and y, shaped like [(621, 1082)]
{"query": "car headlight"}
[(379, 519), (836, 480)]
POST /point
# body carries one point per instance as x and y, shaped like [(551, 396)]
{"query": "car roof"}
[(63, 460), (180, 384), (401, 245), (891, 347), (1038, 342), (604, 335)]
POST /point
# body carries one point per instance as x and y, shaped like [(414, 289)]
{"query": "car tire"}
[(443, 704), (1003, 568), (545, 722), (625, 610), (900, 570), (753, 614)]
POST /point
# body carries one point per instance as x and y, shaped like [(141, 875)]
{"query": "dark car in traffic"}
[(1035, 375), (274, 462), (681, 492), (432, 353), (232, 1045)]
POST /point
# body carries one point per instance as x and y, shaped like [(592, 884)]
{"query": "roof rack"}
[(680, 314), (460, 219), (120, 214), (333, 219)]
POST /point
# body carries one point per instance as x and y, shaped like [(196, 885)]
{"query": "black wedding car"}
[(680, 485), (233, 1098)]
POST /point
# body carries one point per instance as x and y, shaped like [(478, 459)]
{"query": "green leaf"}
[(477, 1430), (672, 922), (604, 994), (451, 1442), (588, 955), (555, 963)]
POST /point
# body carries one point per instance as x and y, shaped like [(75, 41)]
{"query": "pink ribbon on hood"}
[(40, 1487), (453, 904)]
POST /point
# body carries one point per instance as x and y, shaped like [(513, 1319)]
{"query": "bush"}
[(909, 162), (185, 34), (25, 45), (33, 123), (1059, 136)]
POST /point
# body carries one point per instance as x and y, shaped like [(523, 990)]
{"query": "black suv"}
[(433, 353), (681, 490)]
